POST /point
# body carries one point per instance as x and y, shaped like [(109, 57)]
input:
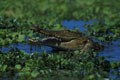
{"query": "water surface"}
[(112, 51)]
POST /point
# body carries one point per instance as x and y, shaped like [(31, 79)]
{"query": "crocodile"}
[(66, 40)]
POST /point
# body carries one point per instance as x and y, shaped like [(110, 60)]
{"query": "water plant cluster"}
[(16, 19), (19, 65)]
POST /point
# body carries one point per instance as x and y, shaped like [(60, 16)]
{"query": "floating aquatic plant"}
[(16, 18)]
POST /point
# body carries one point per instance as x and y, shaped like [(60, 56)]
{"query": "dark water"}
[(111, 51)]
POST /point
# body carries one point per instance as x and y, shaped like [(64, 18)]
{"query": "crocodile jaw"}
[(84, 45), (58, 44), (72, 45)]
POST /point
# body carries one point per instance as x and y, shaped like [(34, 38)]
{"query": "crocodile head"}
[(65, 40)]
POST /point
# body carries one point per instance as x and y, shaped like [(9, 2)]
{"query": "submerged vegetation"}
[(17, 18)]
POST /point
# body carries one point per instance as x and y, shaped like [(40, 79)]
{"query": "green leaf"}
[(27, 69), (101, 38), (77, 52), (34, 74), (0, 65), (18, 66), (21, 38), (4, 67), (25, 73), (91, 77)]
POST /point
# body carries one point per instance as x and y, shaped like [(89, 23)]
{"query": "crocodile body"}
[(66, 40), (64, 35)]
